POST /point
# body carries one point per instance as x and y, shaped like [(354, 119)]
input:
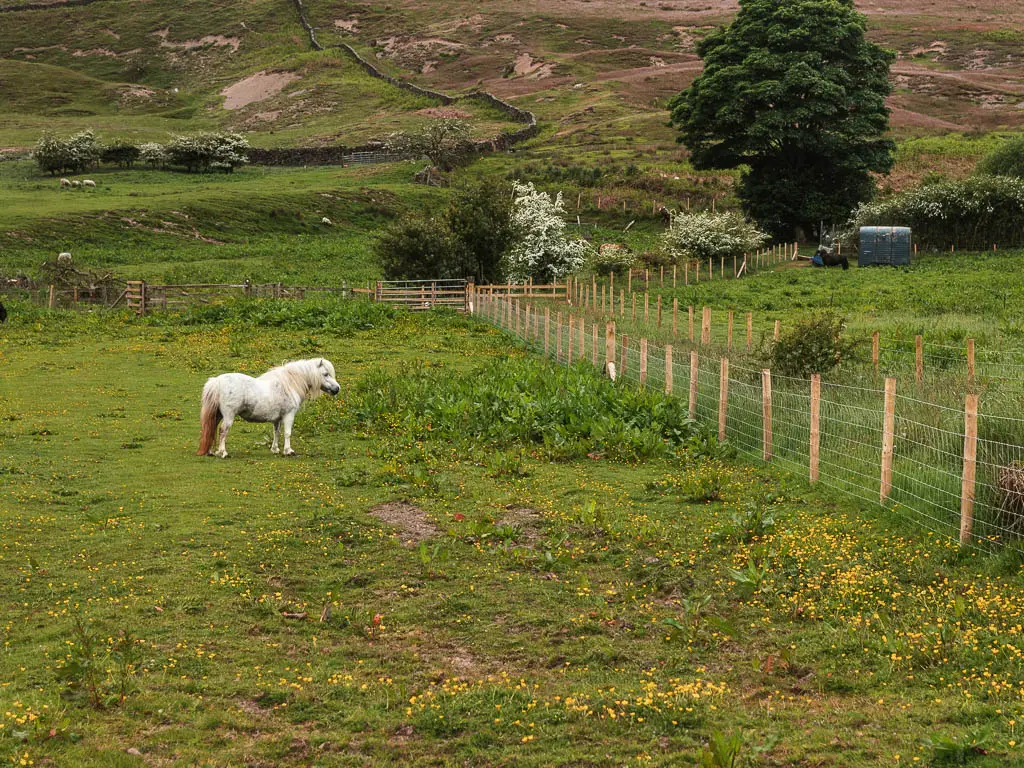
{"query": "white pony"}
[(274, 397)]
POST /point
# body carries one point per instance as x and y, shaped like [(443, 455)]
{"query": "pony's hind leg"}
[(286, 425), (225, 427), (277, 428)]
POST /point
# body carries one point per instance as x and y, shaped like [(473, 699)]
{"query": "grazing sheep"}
[(89, 183), (326, 221), (65, 182), (64, 258), (76, 183)]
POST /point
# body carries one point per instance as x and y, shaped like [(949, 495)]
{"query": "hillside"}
[(593, 71)]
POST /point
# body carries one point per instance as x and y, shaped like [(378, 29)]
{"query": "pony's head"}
[(328, 383)]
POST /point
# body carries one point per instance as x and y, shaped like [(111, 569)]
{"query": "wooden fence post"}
[(568, 354), (766, 412), (547, 330), (675, 317), (815, 442), (970, 465), (643, 362), (622, 303), (705, 326), (673, 275), (729, 341), (629, 281), (659, 310), (609, 343), (874, 350), (693, 383), (778, 329), (919, 359), (970, 362), (691, 322), (750, 330), (593, 335), (888, 438), (53, 297), (647, 306), (582, 335), (723, 397), (668, 369), (633, 295), (624, 365)]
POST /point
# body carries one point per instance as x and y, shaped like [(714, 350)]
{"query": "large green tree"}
[(792, 93)]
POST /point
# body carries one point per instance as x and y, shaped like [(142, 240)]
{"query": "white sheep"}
[(326, 221), (89, 183), (65, 182), (64, 258), (76, 183)]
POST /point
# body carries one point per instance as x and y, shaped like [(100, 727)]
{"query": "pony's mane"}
[(298, 376)]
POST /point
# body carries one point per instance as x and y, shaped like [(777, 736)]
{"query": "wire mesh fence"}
[(933, 464)]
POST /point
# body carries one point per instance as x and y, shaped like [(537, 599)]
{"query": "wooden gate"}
[(419, 295), (135, 296)]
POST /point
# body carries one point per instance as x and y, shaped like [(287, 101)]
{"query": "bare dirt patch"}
[(257, 87), (445, 113), (188, 45), (526, 66), (411, 521), (347, 25), (526, 520)]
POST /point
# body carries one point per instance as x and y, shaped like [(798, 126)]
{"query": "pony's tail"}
[(209, 417)]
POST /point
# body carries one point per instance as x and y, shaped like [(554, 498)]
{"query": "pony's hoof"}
[(221, 454), (275, 450), (289, 452)]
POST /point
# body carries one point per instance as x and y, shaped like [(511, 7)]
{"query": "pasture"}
[(575, 588)]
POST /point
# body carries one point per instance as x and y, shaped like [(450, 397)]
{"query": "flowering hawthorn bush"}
[(971, 214), (542, 251), (708, 235)]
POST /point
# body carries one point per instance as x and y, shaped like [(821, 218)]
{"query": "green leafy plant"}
[(723, 750), (958, 750), (102, 675), (751, 579), (1005, 160), (812, 344)]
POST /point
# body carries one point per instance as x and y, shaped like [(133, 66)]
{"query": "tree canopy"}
[(794, 94)]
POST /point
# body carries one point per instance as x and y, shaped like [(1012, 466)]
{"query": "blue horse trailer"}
[(884, 245)]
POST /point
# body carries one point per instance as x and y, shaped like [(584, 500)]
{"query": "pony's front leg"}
[(286, 425), (225, 427), (277, 428)]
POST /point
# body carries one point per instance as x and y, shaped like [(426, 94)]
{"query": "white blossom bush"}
[(970, 214), (153, 154), (542, 252), (74, 154), (205, 151), (707, 235)]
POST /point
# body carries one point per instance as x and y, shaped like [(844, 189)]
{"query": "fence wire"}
[(927, 469)]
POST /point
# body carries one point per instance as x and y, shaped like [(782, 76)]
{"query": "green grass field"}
[(519, 611)]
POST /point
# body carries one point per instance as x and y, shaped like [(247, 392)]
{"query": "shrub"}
[(705, 235), (71, 155), (611, 257), (970, 214), (1005, 160), (153, 154), (419, 248), (814, 344), (206, 151), (542, 252), (480, 220), (120, 152)]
